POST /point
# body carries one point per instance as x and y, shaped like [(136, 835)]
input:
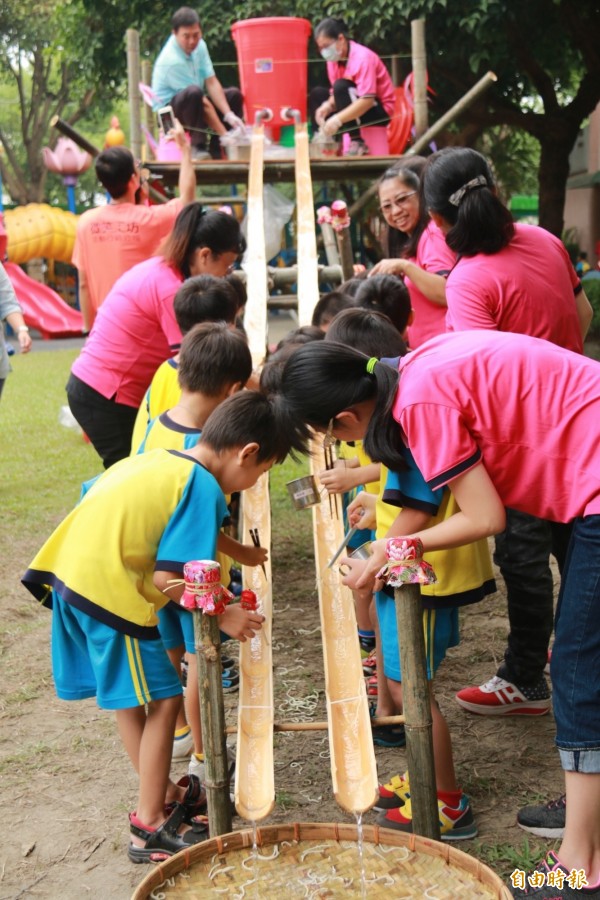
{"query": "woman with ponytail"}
[(135, 330)]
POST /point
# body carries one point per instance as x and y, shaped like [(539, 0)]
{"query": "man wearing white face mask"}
[(362, 92)]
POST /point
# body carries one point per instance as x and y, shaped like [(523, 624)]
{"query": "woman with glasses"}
[(135, 329), (416, 249)]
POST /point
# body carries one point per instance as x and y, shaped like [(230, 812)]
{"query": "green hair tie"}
[(371, 364)]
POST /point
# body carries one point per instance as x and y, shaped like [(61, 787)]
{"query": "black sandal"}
[(194, 801), (164, 841)]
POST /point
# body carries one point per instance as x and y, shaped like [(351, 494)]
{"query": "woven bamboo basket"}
[(321, 861)]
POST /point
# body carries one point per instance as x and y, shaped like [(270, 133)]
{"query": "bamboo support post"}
[(419, 68), (417, 711), (329, 243), (133, 79), (149, 120), (346, 255), (476, 91), (212, 716)]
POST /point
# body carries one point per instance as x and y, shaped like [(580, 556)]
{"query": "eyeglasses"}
[(397, 202)]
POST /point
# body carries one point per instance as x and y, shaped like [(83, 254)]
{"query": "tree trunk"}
[(556, 145)]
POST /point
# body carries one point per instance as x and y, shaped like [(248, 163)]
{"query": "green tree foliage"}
[(44, 72)]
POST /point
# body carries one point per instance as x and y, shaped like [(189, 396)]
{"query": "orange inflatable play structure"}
[(39, 230)]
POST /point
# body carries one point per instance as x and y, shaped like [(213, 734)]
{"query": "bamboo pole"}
[(476, 91), (212, 716), (322, 726), (308, 282), (331, 250), (346, 255), (479, 88), (254, 772), (133, 79), (419, 68), (417, 711), (150, 121), (76, 136)]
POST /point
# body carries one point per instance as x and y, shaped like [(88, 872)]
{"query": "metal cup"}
[(362, 552), (304, 492)]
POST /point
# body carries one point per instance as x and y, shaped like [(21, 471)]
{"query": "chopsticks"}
[(329, 463), (256, 542)]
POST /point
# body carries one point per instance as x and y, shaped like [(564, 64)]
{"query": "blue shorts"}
[(440, 627), (176, 626), (90, 659)]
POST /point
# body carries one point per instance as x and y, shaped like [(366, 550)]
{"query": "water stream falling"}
[(360, 844)]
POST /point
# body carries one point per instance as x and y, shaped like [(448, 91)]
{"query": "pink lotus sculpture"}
[(69, 161)]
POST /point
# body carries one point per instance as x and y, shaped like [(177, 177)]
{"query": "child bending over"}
[(104, 572)]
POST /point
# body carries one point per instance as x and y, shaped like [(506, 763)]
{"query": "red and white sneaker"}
[(498, 697)]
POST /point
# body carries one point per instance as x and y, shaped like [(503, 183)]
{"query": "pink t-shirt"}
[(528, 287), (530, 411), (112, 239), (435, 256), (368, 73), (134, 332)]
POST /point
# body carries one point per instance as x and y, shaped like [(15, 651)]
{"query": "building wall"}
[(582, 206)]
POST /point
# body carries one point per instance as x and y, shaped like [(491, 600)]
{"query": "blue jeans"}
[(575, 666), (522, 554)]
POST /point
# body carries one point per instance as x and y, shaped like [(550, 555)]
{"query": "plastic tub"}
[(272, 58)]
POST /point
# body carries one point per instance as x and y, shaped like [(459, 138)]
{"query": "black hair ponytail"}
[(323, 378)]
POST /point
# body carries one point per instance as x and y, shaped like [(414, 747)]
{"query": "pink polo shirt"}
[(528, 287), (134, 332), (527, 409), (435, 256), (369, 74)]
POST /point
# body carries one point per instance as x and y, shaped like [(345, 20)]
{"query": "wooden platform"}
[(341, 168)]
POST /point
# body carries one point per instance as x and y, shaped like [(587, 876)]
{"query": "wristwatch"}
[(22, 328)]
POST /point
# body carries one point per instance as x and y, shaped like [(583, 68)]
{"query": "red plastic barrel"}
[(272, 58)]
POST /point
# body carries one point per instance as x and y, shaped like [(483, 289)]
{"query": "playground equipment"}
[(69, 161), (39, 230)]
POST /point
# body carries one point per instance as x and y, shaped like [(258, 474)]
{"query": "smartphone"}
[(166, 119)]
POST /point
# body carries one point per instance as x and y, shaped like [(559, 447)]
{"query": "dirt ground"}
[(67, 787)]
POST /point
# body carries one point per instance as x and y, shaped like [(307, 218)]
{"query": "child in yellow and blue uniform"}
[(104, 572), (464, 576), (214, 363)]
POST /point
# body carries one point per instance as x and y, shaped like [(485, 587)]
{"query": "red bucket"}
[(272, 58)]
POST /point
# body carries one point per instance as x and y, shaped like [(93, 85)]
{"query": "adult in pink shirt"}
[(416, 249), (362, 92), (515, 278), (135, 330), (111, 239), (503, 420)]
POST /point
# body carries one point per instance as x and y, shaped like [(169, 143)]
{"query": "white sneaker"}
[(183, 745), (197, 766)]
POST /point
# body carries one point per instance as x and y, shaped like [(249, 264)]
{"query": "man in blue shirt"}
[(184, 77)]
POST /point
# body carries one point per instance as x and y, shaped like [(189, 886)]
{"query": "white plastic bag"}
[(277, 212)]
